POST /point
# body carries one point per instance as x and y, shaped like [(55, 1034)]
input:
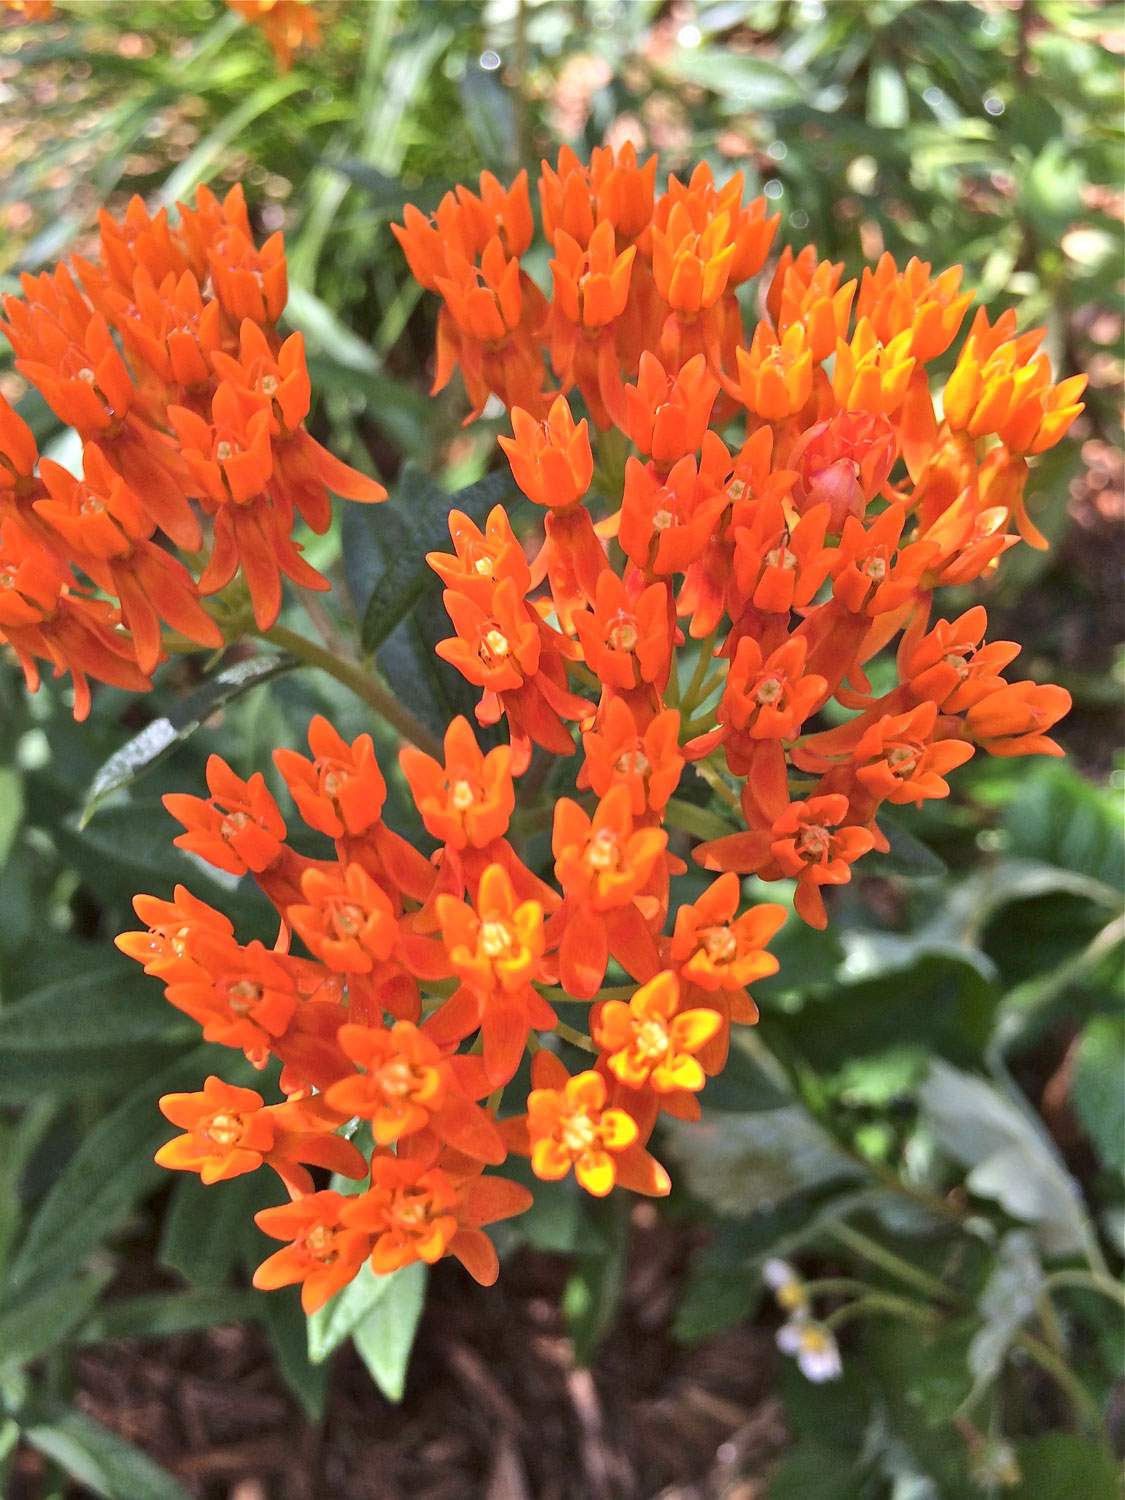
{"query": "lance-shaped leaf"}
[(159, 738), (404, 581)]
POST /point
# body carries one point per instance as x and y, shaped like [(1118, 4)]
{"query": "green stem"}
[(361, 682), (887, 1260), (898, 1307), (1048, 1361), (706, 654), (715, 781), (576, 1038), (700, 822), (554, 994), (826, 1286), (1103, 1285)]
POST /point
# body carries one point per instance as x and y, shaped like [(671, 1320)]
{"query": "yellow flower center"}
[(603, 852), (461, 796), (349, 920), (578, 1134), (268, 384), (720, 945), (663, 519), (623, 637), (224, 1130), (496, 646), (650, 1040), (633, 763), (224, 451), (320, 1242), (396, 1078), (495, 939), (243, 995), (768, 691)]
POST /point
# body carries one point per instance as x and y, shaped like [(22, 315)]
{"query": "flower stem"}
[(887, 1260), (575, 1038), (899, 1307), (1091, 1280), (361, 682), (689, 699)]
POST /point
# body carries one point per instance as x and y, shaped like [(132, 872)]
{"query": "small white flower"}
[(786, 1285), (814, 1347)]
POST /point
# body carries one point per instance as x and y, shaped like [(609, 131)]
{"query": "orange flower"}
[(648, 763), (341, 791), (104, 524), (1011, 720), (775, 378), (164, 948), (953, 667), (466, 223), (766, 699), (551, 460), (239, 828), (591, 279), (576, 198), (497, 951), (229, 1133), (651, 1042), (627, 641), (604, 865), (872, 376), (800, 843), (325, 1253), (714, 950), (348, 921), (816, 301), (567, 1125), (468, 802), (242, 997), (667, 415), (897, 760), (747, 229), (666, 523), (897, 301), (870, 573), (287, 24), (414, 1211), (42, 615), (408, 1086)]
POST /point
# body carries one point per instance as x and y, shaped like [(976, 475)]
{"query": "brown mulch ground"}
[(495, 1407)]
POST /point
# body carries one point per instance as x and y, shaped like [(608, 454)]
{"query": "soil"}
[(495, 1408)]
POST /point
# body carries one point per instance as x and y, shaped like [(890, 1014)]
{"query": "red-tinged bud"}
[(843, 463)]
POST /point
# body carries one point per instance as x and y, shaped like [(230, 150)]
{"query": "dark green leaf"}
[(906, 855), (203, 1230), (101, 1460), (287, 1327), (111, 1170), (33, 1326), (159, 1315), (160, 738), (1063, 1466), (404, 581), (1098, 1090)]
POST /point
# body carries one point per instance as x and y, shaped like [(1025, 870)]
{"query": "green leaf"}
[(11, 808), (342, 1314), (89, 1032), (736, 1163), (385, 1337), (203, 1229), (404, 581), (35, 1325), (1010, 1160), (1009, 1299), (1063, 1466), (593, 1293), (906, 855), (287, 1327), (99, 1459), (1098, 1089), (159, 1315), (160, 738), (888, 105), (111, 1170)]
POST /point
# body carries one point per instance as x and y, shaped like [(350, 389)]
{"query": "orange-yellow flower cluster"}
[(164, 355), (741, 521), (407, 958), (796, 493)]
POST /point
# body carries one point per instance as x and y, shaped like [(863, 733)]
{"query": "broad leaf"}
[(385, 1337), (1007, 1302), (1098, 1090), (339, 1318)]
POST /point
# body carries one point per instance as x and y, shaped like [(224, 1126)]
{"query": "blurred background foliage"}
[(937, 1080)]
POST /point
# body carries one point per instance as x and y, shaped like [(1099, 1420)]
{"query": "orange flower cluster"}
[(287, 25), (407, 959), (165, 358), (796, 493), (711, 599)]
